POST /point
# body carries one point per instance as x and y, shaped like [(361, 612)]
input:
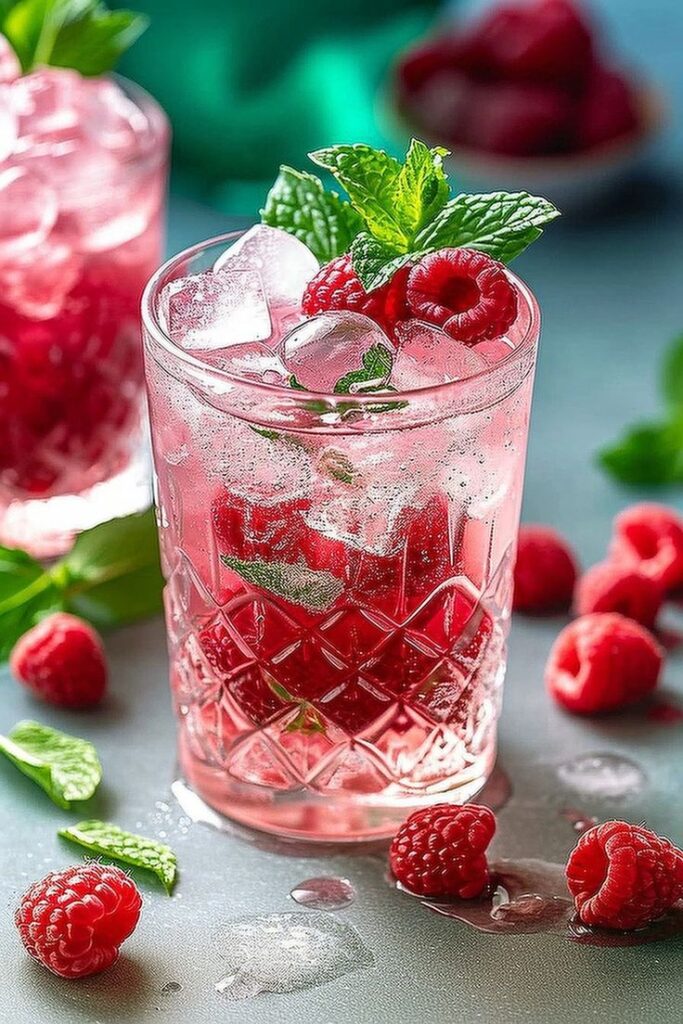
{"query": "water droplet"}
[(579, 821), (602, 775), (324, 893), (287, 952), (170, 988)]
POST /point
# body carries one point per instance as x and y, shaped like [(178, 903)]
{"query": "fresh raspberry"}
[(74, 921), (441, 850), (624, 876), (618, 587), (601, 662), (465, 292), (650, 536), (608, 109), (337, 286), (545, 571), (62, 661)]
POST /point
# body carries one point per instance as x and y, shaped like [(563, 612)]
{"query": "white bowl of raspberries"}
[(524, 97)]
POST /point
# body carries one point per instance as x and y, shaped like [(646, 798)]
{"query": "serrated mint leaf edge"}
[(314, 589), (61, 789), (164, 863)]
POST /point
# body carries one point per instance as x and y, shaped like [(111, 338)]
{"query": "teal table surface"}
[(610, 292)]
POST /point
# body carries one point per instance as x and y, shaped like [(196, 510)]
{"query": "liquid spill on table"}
[(281, 953), (324, 893), (607, 776)]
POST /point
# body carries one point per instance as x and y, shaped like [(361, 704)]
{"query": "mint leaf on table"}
[(501, 224), (79, 34), (375, 371), (66, 767), (100, 837), (298, 203), (650, 453), (314, 589)]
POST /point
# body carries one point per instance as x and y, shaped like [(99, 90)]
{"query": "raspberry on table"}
[(464, 291), (545, 571), (62, 661), (624, 876), (650, 536), (441, 850), (618, 587), (74, 921), (601, 662), (337, 286)]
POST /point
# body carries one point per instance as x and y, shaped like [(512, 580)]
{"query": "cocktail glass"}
[(82, 190), (338, 578)]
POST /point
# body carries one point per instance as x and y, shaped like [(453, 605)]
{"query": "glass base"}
[(46, 527), (302, 814)]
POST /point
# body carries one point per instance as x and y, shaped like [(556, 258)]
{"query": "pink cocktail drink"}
[(338, 564), (82, 186)]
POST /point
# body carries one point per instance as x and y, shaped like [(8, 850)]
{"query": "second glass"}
[(338, 581)]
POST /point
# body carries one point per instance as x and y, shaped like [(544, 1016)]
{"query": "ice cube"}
[(36, 283), (494, 350), (322, 350), (28, 210), (8, 123), (254, 360), (212, 311), (285, 264), (109, 118), (428, 356), (10, 68), (47, 100)]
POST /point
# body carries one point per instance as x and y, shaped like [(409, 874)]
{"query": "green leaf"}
[(27, 593), (108, 840), (647, 454), (376, 262), (501, 224), (66, 767), (337, 465), (672, 374), (314, 589), (375, 371), (297, 203), (113, 571), (79, 34), (370, 178), (421, 186)]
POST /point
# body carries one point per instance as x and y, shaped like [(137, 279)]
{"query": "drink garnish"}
[(105, 839), (66, 767)]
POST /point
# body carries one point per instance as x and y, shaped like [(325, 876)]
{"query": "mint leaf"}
[(501, 224), (79, 34), (337, 465), (27, 593), (297, 203), (369, 177), (314, 589), (376, 262), (375, 371), (649, 454), (672, 374), (421, 186), (100, 837), (112, 573), (66, 767)]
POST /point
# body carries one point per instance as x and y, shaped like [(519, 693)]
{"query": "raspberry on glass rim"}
[(339, 414)]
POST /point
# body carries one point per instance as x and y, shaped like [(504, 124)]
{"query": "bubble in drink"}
[(255, 361), (211, 311), (28, 210), (428, 356), (322, 350), (284, 263)]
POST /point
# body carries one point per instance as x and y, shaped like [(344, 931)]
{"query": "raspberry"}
[(74, 921), (465, 292), (615, 587), (624, 876), (337, 286), (607, 109), (545, 571), (61, 660), (441, 850), (601, 662), (650, 537)]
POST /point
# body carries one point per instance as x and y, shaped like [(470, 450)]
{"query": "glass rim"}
[(157, 332)]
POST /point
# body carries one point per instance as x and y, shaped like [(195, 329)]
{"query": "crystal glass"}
[(338, 580), (82, 196)]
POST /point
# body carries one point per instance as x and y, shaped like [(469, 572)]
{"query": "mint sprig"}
[(375, 371), (80, 34), (314, 589), (111, 576), (107, 840), (651, 454), (66, 767)]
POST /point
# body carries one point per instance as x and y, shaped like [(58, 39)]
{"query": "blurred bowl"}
[(572, 181)]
